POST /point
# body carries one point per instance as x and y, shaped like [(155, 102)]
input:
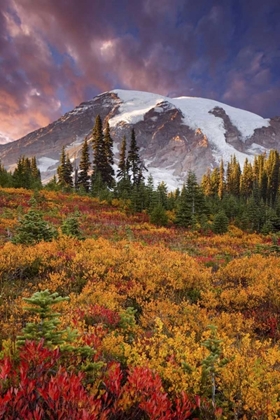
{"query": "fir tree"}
[(71, 226), (194, 195), (246, 180), (122, 171), (158, 216), (26, 174), (83, 180), (46, 328), (184, 210), (35, 173), (6, 179), (221, 189), (162, 194), (64, 171), (98, 148), (135, 165), (220, 223), (33, 229), (108, 175)]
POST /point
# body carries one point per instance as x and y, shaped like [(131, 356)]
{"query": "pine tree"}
[(6, 179), (108, 175), (71, 226), (162, 194), (122, 171), (64, 171), (221, 189), (246, 180), (46, 328), (135, 165), (98, 149), (220, 223), (84, 166), (206, 184), (68, 173), (33, 229), (195, 195), (158, 216), (35, 173), (233, 177), (184, 210), (22, 173), (215, 181), (273, 175)]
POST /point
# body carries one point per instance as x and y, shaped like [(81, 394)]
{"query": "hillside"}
[(175, 135), (141, 301)]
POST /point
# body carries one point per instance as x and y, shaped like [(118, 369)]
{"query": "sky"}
[(55, 54)]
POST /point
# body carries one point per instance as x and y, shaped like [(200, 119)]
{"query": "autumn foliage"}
[(167, 323)]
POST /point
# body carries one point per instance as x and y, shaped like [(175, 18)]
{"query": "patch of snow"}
[(257, 149), (196, 111), (154, 118), (167, 175), (45, 163), (77, 142), (158, 109), (134, 105)]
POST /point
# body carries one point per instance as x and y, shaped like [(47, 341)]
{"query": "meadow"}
[(159, 322)]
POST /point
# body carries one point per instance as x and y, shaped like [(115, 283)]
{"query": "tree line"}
[(247, 197)]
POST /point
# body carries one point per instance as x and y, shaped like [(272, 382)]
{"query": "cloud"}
[(56, 54)]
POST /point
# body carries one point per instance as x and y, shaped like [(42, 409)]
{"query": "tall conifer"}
[(84, 166)]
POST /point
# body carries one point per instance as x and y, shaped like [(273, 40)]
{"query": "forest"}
[(121, 300), (246, 197)]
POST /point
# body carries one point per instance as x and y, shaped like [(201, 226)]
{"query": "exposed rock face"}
[(232, 134), (174, 135)]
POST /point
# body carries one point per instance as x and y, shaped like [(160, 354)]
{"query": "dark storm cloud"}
[(57, 53)]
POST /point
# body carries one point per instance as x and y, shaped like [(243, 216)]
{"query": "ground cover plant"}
[(115, 318)]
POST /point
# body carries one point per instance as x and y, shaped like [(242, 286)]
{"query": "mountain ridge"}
[(175, 135)]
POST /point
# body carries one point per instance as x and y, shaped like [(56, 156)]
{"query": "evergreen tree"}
[(33, 229), (41, 304), (233, 177), (71, 226), (273, 165), (220, 223), (221, 189), (64, 171), (83, 180), (162, 194), (102, 154), (6, 179), (26, 174), (35, 173), (122, 171), (68, 173), (135, 165), (99, 161), (108, 176), (206, 184), (150, 196), (194, 195), (158, 216), (215, 181), (184, 210), (246, 180)]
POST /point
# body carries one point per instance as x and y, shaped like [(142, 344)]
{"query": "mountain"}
[(175, 135)]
